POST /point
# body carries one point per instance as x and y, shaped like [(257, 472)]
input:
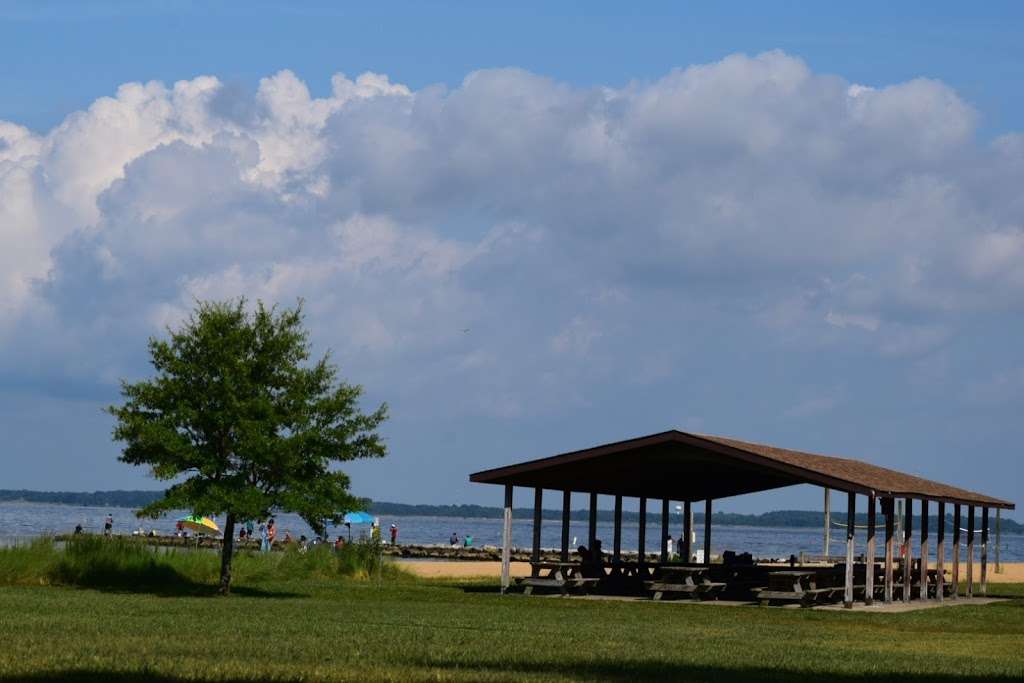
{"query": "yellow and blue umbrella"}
[(200, 525)]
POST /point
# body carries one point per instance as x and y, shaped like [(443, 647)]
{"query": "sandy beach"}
[(1012, 572)]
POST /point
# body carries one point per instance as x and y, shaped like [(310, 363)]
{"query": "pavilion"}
[(686, 467)]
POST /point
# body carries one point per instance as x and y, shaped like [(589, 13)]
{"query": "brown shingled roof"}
[(683, 466)]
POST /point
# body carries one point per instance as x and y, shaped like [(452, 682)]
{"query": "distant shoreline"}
[(776, 519)]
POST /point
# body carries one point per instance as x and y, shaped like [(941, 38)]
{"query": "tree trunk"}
[(227, 552)]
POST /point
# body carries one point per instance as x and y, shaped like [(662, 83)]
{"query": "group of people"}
[(266, 533), (453, 540)]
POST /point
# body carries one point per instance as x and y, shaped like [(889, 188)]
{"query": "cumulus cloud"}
[(581, 235)]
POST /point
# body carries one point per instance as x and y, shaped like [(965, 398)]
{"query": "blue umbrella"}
[(357, 518)]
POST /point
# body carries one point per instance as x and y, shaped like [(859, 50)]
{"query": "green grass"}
[(303, 623), (126, 563)]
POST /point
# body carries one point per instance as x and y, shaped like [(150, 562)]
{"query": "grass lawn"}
[(410, 630)]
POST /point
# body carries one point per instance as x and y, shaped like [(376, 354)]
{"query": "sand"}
[(1013, 572)]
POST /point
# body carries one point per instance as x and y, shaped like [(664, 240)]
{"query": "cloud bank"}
[(518, 245)]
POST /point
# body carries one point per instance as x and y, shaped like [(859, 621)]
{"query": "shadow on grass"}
[(594, 671), (162, 581)]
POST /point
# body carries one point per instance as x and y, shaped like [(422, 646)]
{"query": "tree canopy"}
[(246, 425)]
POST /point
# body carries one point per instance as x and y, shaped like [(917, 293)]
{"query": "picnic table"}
[(684, 580), (561, 576), (803, 586)]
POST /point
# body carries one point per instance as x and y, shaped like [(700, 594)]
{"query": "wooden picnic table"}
[(686, 580), (561, 576)]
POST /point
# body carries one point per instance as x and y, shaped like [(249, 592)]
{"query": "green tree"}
[(247, 426)]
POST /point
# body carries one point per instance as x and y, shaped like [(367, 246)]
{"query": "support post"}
[(664, 529), (538, 500), (869, 579), (828, 522), (999, 566), (506, 540), (592, 522), (850, 510), (940, 553), (707, 532), (908, 551), (889, 508), (641, 549), (970, 551), (924, 549), (566, 504), (685, 543), (984, 551), (617, 549), (954, 591)]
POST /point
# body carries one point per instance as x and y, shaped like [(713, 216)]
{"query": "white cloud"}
[(626, 226)]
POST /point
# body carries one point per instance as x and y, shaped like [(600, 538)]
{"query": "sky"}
[(529, 229)]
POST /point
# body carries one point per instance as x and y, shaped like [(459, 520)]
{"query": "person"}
[(303, 544), (271, 533), (467, 541), (241, 533), (287, 538), (108, 525), (78, 528), (250, 528), (454, 539), (375, 530), (264, 538), (179, 527), (592, 560), (394, 534), (339, 543), (668, 547)]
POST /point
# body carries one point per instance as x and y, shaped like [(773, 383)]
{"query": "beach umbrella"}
[(199, 524), (356, 518)]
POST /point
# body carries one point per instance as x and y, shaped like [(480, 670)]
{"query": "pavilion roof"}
[(684, 466)]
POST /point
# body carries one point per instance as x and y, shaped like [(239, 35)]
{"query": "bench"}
[(707, 590)]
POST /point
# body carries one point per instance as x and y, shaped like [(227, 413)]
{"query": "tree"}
[(247, 426)]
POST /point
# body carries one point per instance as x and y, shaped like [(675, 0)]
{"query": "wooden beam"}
[(686, 542), (869, 583), (592, 523), (940, 553), (642, 531), (828, 521), (984, 551), (707, 531), (506, 540), (664, 529), (889, 507), (954, 589), (851, 507), (908, 551), (538, 501), (924, 549), (617, 548), (566, 504), (970, 551)]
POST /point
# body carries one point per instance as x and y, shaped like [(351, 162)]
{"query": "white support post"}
[(828, 522), (851, 507), (506, 540)]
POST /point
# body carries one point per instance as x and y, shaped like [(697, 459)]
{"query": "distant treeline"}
[(778, 518)]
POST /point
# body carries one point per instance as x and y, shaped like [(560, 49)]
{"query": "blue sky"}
[(776, 222)]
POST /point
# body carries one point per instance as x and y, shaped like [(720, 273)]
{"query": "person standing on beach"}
[(394, 534), (271, 533), (264, 542), (108, 525)]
